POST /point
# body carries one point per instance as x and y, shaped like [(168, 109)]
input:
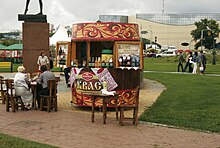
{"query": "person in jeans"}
[(202, 62), (187, 62), (42, 88), (181, 60)]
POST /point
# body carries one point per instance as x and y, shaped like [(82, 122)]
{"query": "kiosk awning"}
[(102, 31)]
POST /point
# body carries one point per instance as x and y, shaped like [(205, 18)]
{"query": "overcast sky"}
[(67, 12)]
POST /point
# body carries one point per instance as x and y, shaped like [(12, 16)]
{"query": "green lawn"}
[(15, 66), (190, 101), (13, 142)]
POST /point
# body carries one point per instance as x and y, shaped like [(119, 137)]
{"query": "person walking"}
[(202, 62), (189, 55), (190, 64), (181, 60), (194, 62)]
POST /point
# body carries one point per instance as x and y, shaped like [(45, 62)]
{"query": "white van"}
[(172, 48), (166, 54)]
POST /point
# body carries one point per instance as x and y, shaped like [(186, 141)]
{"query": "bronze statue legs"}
[(40, 3), (26, 8)]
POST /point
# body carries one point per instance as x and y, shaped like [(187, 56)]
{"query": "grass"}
[(190, 101), (14, 142), (15, 66)]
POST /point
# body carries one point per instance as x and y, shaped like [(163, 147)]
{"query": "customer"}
[(21, 87), (67, 75), (187, 62), (42, 60), (190, 64), (42, 88), (194, 62), (181, 60), (202, 62)]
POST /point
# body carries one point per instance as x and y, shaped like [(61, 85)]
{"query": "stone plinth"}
[(32, 18), (35, 40)]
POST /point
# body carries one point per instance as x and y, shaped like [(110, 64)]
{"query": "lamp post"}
[(201, 38), (143, 32)]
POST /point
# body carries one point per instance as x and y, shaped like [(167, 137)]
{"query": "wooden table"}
[(105, 99), (33, 86)]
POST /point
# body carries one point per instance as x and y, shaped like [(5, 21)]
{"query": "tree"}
[(205, 33)]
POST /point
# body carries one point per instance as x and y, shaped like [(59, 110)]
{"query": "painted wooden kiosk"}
[(105, 52)]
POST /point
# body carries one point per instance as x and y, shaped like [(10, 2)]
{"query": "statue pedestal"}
[(32, 18), (35, 40)]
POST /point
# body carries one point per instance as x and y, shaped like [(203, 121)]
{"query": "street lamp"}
[(143, 32), (202, 31)]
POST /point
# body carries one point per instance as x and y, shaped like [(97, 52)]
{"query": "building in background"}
[(113, 18), (170, 29)]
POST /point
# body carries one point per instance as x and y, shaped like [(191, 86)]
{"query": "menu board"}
[(128, 49), (129, 55)]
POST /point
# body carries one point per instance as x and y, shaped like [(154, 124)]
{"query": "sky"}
[(68, 12)]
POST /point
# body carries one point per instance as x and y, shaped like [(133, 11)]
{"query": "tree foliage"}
[(205, 33)]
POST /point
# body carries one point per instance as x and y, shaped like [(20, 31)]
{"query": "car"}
[(172, 48), (166, 54)]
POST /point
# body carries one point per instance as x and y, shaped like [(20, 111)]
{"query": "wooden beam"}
[(88, 53)]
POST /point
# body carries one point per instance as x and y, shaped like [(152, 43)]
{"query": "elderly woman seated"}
[(21, 87)]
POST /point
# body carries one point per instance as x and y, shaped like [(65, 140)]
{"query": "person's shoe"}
[(68, 85)]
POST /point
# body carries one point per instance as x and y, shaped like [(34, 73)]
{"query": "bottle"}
[(107, 63), (128, 59), (110, 63), (96, 62), (90, 62), (99, 62), (103, 64), (84, 63), (77, 63), (124, 62), (93, 62), (137, 61), (80, 64), (133, 60), (120, 61)]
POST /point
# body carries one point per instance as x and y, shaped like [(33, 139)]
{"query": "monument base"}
[(32, 18), (35, 40)]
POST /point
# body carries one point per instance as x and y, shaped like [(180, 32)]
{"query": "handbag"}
[(201, 68)]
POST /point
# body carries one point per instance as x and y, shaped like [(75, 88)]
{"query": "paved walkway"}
[(71, 127)]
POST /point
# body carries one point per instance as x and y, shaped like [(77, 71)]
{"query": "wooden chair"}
[(51, 99), (3, 89), (12, 101), (133, 106)]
